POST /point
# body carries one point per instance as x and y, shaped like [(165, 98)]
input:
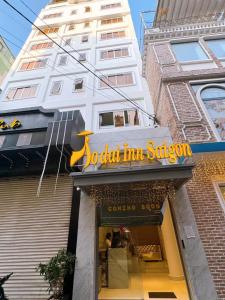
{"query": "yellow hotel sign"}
[(126, 154), (13, 125)]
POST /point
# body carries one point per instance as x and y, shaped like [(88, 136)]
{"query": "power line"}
[(88, 69), (62, 39), (51, 66)]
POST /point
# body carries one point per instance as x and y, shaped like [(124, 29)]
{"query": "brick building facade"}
[(185, 68)]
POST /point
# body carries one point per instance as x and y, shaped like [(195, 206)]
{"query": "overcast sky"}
[(12, 24)]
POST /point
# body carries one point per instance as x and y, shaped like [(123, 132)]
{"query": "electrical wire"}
[(62, 39), (88, 69), (51, 66)]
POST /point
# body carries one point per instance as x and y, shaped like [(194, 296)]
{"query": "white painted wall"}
[(93, 99)]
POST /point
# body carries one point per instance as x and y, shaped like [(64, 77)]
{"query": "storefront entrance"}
[(140, 262)]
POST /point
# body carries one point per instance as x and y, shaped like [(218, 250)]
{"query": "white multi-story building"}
[(100, 35)]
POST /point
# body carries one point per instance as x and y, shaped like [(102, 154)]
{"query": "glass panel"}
[(56, 87), (218, 47), (18, 93), (112, 80), (214, 100), (222, 190), (132, 118), (26, 92), (24, 139), (11, 93), (62, 60), (213, 93), (119, 118), (78, 85), (2, 139), (33, 90), (189, 51), (106, 119)]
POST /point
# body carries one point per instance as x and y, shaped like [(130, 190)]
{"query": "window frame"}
[(217, 184), (42, 48), (110, 6), (204, 86), (115, 49), (64, 56), (21, 87), (185, 41), (124, 119), (35, 64), (206, 40), (113, 33), (79, 90), (117, 74), (61, 87), (109, 20), (39, 33), (82, 38)]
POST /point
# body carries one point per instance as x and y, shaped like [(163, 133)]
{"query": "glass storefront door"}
[(140, 262)]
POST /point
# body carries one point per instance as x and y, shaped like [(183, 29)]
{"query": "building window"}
[(82, 57), (109, 6), (74, 12), (117, 80), (87, 24), (24, 139), (220, 190), (71, 27), (56, 88), (113, 35), (115, 53), (34, 65), (217, 47), (79, 85), (56, 15), (68, 42), (40, 46), (48, 30), (111, 21), (63, 60), (121, 118), (22, 92), (84, 39), (190, 51), (87, 9), (214, 100)]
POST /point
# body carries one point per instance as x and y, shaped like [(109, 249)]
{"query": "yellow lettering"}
[(151, 150), (104, 155), (94, 158), (186, 150), (140, 154), (172, 156), (125, 146), (15, 124), (3, 125)]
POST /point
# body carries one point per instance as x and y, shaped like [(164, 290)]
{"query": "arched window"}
[(214, 100)]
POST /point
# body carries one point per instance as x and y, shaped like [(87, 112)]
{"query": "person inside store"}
[(108, 241)]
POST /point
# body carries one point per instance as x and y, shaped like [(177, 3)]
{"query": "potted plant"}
[(55, 271)]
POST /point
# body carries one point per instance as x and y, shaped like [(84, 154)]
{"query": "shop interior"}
[(140, 262)]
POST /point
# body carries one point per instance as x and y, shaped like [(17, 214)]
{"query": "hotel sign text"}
[(13, 125), (124, 153)]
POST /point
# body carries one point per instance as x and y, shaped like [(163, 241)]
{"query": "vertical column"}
[(85, 281), (171, 247)]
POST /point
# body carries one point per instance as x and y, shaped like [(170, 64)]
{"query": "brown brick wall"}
[(210, 217), (176, 106)]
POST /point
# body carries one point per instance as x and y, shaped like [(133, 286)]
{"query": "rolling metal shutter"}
[(31, 231)]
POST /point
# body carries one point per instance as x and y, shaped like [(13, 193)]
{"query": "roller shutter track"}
[(32, 230)]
